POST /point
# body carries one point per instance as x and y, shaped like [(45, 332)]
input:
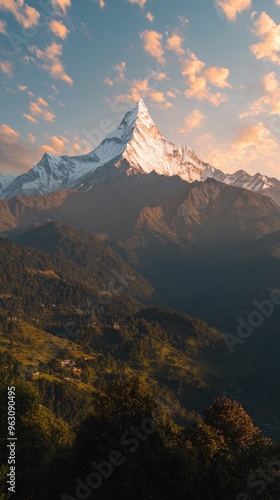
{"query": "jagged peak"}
[(141, 106), (138, 114)]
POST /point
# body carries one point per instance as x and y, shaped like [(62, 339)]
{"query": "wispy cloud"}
[(150, 17), (120, 68), (153, 45), (30, 118), (8, 134), (38, 108), (7, 68), (52, 63), (141, 3), (269, 103), (61, 6), (61, 145), (108, 81), (16, 155), (58, 29), (183, 20), (31, 138), (192, 121), (252, 143), (24, 14), (3, 27), (139, 88), (22, 88)]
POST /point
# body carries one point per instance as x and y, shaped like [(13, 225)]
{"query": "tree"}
[(230, 418)]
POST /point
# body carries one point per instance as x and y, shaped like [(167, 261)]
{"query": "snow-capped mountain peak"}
[(139, 146)]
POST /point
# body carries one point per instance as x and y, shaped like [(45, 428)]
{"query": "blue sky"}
[(208, 71)]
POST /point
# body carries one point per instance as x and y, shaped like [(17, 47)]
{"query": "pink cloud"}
[(153, 44)]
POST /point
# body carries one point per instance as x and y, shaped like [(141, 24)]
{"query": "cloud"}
[(141, 88), (58, 29), (22, 88), (256, 108), (157, 96), (138, 88), (61, 145), (16, 155), (270, 82), (192, 65), (153, 44), (150, 17), (61, 5), (157, 75), (25, 15), (272, 87), (31, 138), (30, 118), (40, 108), (269, 103), (55, 146), (183, 20), (217, 76), (252, 147), (7, 68), (269, 32), (120, 68), (199, 77), (141, 3), (7, 134), (231, 8), (52, 63), (108, 81), (252, 136), (199, 90), (101, 4), (85, 30), (192, 121), (174, 42), (3, 26)]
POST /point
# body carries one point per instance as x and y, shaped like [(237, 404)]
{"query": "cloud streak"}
[(51, 57)]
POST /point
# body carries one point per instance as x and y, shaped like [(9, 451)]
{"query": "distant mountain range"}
[(137, 147)]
